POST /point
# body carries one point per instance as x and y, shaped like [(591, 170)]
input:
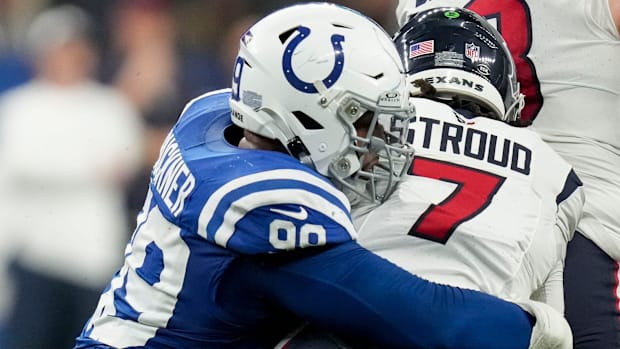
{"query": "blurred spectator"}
[(143, 38), (151, 62), (144, 63), (14, 71), (157, 125), (381, 11), (229, 43), (160, 60), (14, 18), (160, 120), (67, 146)]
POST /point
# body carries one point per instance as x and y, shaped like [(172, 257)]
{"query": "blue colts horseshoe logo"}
[(308, 87)]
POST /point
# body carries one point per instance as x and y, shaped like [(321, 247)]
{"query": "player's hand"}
[(551, 330)]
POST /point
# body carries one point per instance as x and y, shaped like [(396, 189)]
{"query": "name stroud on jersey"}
[(171, 176), (459, 139)]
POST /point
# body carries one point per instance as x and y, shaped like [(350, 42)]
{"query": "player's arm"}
[(552, 291), (357, 294), (614, 7), (570, 201)]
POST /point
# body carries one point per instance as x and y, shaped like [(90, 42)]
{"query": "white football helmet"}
[(306, 73)]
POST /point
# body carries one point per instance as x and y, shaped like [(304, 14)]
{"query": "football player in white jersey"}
[(235, 244), (567, 54), (488, 206)]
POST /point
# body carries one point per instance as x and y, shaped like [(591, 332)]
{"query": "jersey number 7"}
[(473, 193)]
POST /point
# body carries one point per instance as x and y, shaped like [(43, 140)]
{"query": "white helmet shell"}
[(306, 73)]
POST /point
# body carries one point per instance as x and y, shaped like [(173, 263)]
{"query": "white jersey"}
[(489, 207), (567, 54)]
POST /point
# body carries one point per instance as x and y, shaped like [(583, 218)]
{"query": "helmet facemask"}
[(377, 155)]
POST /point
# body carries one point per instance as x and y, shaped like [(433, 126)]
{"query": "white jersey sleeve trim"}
[(297, 196), (206, 214)]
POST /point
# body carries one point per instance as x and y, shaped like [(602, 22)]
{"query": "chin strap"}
[(427, 90), (298, 150)]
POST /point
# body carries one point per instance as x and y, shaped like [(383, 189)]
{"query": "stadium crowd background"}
[(159, 54)]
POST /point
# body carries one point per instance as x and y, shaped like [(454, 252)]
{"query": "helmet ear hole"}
[(287, 34), (307, 121), (233, 134)]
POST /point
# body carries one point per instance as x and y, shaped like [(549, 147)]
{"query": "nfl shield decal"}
[(472, 51)]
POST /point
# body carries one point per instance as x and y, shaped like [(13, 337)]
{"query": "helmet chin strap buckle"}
[(299, 151)]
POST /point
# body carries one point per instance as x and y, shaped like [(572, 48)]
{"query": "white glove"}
[(551, 330)]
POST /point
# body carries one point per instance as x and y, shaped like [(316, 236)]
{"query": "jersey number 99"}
[(284, 235)]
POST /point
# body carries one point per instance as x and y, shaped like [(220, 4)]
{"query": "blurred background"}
[(88, 91)]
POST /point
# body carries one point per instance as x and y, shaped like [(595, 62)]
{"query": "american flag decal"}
[(421, 48)]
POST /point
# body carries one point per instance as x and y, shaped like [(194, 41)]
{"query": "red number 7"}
[(474, 192)]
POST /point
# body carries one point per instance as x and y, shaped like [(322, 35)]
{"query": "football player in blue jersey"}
[(246, 228)]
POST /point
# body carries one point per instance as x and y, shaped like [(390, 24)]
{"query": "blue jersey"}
[(247, 201), (208, 202), (234, 246)]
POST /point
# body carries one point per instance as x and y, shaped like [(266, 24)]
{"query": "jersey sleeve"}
[(357, 294), (570, 203), (552, 291), (556, 180), (276, 210)]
